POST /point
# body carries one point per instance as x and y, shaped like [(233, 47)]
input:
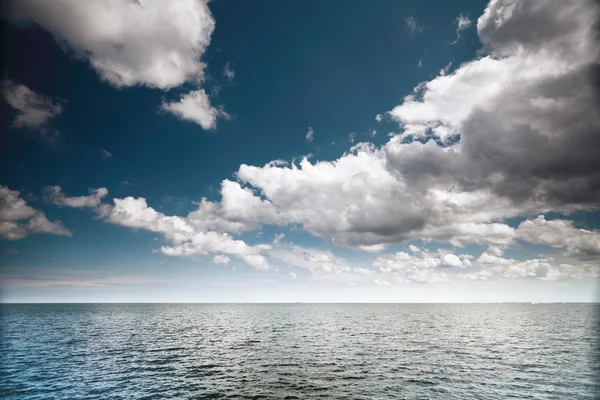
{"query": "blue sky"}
[(409, 151)]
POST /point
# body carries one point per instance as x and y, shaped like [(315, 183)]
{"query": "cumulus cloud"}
[(19, 220), (512, 133), (202, 232), (34, 110), (195, 106), (526, 114), (462, 22), (310, 135), (151, 42), (293, 275), (543, 268), (560, 233)]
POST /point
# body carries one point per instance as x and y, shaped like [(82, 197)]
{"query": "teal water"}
[(306, 351)]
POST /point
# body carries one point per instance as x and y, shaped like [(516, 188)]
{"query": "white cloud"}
[(151, 42), (543, 268), (381, 282), (195, 106), (310, 135), (293, 275), (462, 22), (228, 72), (54, 195), (560, 233), (19, 220), (379, 118), (34, 110), (413, 26), (221, 259)]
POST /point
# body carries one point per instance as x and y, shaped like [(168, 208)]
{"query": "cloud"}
[(512, 133), (195, 106), (525, 115), (543, 268), (462, 22), (221, 259), (19, 220), (293, 275), (560, 233), (381, 282), (203, 231), (105, 154), (34, 110), (54, 195), (310, 135), (228, 72), (151, 42), (413, 26)]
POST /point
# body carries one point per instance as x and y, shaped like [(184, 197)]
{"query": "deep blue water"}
[(271, 351)]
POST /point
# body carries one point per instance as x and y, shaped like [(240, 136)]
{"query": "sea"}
[(299, 351)]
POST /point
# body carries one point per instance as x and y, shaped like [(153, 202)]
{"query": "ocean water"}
[(305, 351)]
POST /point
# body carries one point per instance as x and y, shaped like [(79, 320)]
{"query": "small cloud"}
[(462, 22), (293, 275), (277, 238), (382, 282), (105, 154), (228, 72), (414, 248), (125, 183), (378, 117), (11, 251), (34, 110), (351, 137), (310, 135), (444, 71), (195, 106), (413, 25), (221, 259), (420, 63)]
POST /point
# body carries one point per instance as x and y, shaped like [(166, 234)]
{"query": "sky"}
[(300, 151)]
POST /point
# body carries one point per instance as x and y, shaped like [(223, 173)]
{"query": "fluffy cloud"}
[(54, 194), (202, 232), (543, 268), (560, 233), (147, 42), (18, 220), (511, 133), (34, 110), (151, 42), (195, 106), (527, 113)]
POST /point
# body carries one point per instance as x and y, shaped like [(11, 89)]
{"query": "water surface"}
[(273, 351)]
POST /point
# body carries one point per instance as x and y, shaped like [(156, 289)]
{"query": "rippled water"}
[(344, 351)]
